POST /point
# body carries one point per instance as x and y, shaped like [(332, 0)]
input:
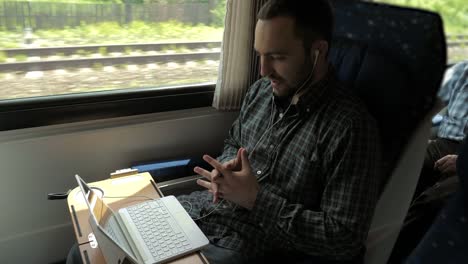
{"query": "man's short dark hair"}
[(314, 19)]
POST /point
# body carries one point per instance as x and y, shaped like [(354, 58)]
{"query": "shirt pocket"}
[(305, 171)]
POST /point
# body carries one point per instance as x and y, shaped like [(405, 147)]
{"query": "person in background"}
[(447, 239), (436, 181), (451, 131)]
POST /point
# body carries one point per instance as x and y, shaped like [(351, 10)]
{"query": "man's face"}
[(282, 56)]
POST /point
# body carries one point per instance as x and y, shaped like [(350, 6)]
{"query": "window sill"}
[(62, 109)]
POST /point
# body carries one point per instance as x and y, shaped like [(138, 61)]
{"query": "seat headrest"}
[(394, 58)]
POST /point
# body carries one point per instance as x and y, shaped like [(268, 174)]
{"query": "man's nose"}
[(265, 67)]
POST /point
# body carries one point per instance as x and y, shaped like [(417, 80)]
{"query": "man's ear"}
[(319, 45)]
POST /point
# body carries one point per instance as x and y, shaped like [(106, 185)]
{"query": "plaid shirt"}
[(454, 93), (321, 166)]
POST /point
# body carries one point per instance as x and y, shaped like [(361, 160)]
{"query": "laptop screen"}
[(103, 216)]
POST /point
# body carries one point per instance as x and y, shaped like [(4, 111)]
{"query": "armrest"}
[(180, 186), (173, 169)]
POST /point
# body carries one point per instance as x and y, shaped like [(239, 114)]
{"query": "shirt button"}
[(259, 172)]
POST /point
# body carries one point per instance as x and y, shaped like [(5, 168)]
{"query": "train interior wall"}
[(38, 161)]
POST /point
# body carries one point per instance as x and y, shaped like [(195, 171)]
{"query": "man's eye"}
[(278, 57)]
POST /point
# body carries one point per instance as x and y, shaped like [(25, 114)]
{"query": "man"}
[(446, 239), (300, 172), (439, 160), (436, 181)]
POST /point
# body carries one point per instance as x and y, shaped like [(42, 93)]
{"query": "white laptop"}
[(153, 231)]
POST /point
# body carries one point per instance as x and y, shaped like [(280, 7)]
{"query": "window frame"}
[(69, 108)]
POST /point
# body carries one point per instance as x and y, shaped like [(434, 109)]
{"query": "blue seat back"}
[(394, 58)]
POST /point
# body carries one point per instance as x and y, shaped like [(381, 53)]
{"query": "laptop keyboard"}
[(110, 230), (162, 235), (113, 230)]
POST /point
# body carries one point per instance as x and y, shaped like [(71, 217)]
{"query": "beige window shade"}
[(238, 63)]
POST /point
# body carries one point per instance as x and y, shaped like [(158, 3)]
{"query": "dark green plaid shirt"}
[(321, 165)]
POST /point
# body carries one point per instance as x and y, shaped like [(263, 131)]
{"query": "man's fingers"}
[(212, 177), (215, 175), (214, 163), (231, 165), (214, 189), (447, 170), (447, 167), (239, 155), (438, 166), (444, 162), (217, 195), (234, 164), (202, 172), (217, 178), (204, 183), (214, 186), (244, 157), (442, 168), (440, 162)]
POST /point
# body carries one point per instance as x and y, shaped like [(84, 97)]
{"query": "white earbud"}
[(316, 53)]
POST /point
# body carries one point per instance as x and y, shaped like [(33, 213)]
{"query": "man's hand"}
[(447, 164), (233, 180), (233, 165)]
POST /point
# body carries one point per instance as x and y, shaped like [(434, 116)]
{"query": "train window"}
[(78, 46), (455, 20), (64, 61)]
